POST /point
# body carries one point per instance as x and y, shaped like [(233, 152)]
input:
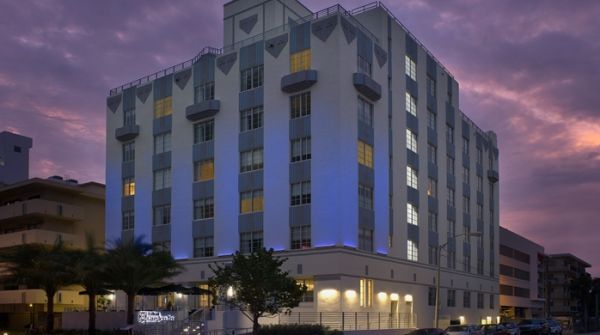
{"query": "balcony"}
[(41, 208), (40, 236), (298, 81), (127, 133), (493, 175), (367, 86), (202, 110)]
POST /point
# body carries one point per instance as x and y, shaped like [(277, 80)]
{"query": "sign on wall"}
[(149, 317)]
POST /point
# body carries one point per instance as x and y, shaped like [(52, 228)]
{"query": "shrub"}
[(297, 329)]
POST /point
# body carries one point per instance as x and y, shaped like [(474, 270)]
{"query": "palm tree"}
[(40, 266), (133, 264)]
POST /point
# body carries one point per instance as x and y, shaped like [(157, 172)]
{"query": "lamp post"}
[(437, 278)]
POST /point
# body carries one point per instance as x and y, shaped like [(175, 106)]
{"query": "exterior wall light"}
[(461, 319), (350, 295), (394, 297), (230, 292), (408, 298), (382, 296)]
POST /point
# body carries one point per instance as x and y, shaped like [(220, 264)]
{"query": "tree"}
[(133, 264), (256, 285), (40, 266), (580, 289)]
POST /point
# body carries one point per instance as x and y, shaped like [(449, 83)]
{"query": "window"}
[(412, 214), (128, 151), (480, 184), (451, 201), (451, 298), (204, 209), (466, 204), (300, 61), (162, 143), (479, 300), (432, 188), (204, 170), (251, 201), (365, 197), (431, 296), (300, 193), (365, 112), (431, 154), (251, 118), (492, 301), (251, 160), (467, 263), (467, 299), (162, 215), (433, 258), (128, 187), (411, 178), (450, 165), (410, 67), (301, 237), (451, 228), (365, 239), (129, 117), (251, 242), (203, 247), (431, 120), (300, 105), (162, 179), (480, 266), (163, 107), (366, 293), (204, 131), (432, 221), (466, 175), (431, 86), (128, 220), (365, 154), (467, 230), (364, 65), (412, 251), (310, 289), (465, 146), (411, 141), (411, 104), (479, 212), (251, 78), (479, 156), (451, 260), (301, 149), (204, 92), (449, 134)]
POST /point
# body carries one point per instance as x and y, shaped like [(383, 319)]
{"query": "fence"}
[(352, 320)]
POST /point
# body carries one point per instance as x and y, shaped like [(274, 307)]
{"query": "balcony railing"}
[(352, 320), (41, 207), (39, 236)]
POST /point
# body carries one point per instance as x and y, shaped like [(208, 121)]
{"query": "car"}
[(510, 328), (427, 331), (463, 330), (493, 329), (554, 327), (534, 327)]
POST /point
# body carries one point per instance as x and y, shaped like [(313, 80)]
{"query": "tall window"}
[(451, 259), (412, 251), (129, 117), (431, 153), (309, 295), (466, 204), (365, 154), (431, 296), (432, 188), (480, 212), (467, 229), (366, 293), (204, 208), (465, 146), (300, 193), (163, 107), (449, 134), (162, 215), (480, 184), (204, 131), (204, 170), (411, 178), (251, 160), (451, 298), (432, 221), (411, 104), (203, 247), (451, 199), (479, 300), (431, 120), (364, 65), (128, 187), (491, 301), (300, 61), (479, 156), (365, 197), (410, 67), (300, 237), (466, 175), (251, 78), (128, 151), (365, 112), (162, 179), (204, 92), (251, 201), (162, 143), (411, 141), (251, 242), (431, 87), (300, 149), (433, 258), (412, 214), (480, 266), (467, 299), (450, 165), (467, 263), (451, 229), (251, 118), (365, 239), (300, 105), (128, 220)]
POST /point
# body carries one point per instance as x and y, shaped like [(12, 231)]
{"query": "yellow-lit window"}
[(310, 289), (163, 107), (300, 61), (204, 170), (128, 187), (251, 201), (366, 293), (365, 154)]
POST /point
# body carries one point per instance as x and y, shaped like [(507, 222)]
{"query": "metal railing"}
[(352, 320)]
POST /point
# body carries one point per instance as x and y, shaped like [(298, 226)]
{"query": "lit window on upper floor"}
[(251, 201), (300, 105), (251, 118), (432, 188), (365, 112), (411, 141), (128, 187), (412, 214), (412, 251), (300, 61), (411, 104), (365, 154), (410, 67), (412, 178), (163, 107), (252, 78), (162, 143), (204, 170)]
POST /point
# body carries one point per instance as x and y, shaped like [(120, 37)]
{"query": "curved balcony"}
[(203, 110), (493, 176), (367, 86), (298, 81)]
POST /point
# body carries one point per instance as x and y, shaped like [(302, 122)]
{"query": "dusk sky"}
[(528, 70)]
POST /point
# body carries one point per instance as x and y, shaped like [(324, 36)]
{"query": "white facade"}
[(334, 257)]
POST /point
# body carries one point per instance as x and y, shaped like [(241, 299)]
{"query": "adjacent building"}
[(334, 137), (561, 270), (14, 157), (44, 211)]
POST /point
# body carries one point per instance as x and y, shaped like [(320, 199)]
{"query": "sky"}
[(528, 70)]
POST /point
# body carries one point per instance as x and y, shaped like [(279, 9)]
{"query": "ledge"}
[(367, 86), (202, 110), (298, 81), (127, 133), (493, 176)]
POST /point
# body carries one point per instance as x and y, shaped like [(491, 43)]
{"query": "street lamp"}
[(439, 267)]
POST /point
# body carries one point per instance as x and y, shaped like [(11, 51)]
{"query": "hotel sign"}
[(149, 317)]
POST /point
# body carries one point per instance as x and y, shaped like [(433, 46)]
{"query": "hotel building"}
[(334, 137)]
